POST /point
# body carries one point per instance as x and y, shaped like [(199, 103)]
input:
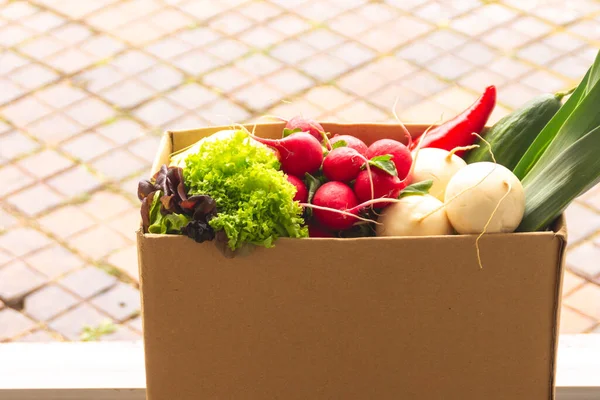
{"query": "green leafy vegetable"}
[(416, 189), (312, 184), (562, 163), (339, 143), (93, 333), (168, 223), (384, 163), (287, 132), (253, 198)]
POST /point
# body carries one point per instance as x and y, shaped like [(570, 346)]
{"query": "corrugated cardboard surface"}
[(367, 318)]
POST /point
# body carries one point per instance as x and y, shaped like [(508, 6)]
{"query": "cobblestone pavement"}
[(88, 86)]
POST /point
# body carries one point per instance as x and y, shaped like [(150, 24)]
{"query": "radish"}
[(342, 164), (403, 218), (337, 196), (401, 156), (384, 185), (352, 142), (484, 197), (315, 230), (299, 153), (306, 125), (439, 166), (301, 191)]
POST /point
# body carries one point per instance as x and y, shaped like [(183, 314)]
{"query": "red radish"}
[(352, 142), (384, 185), (298, 153), (338, 196), (315, 230), (307, 125), (342, 164), (301, 191), (401, 156)]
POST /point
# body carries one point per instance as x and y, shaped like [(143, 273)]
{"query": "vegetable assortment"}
[(241, 190)]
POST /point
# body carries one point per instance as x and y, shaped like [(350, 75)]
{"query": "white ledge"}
[(115, 370)]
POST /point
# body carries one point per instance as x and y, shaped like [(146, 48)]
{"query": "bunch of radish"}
[(344, 184)]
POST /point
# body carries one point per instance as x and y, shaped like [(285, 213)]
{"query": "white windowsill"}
[(115, 370)]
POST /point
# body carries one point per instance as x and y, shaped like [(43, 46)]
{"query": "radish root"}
[(406, 132), (489, 146), (489, 221), (460, 148)]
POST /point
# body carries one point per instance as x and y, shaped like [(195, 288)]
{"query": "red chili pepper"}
[(458, 131)]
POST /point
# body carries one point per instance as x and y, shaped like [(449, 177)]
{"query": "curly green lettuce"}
[(254, 199)]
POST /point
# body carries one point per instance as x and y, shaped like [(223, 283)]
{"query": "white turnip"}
[(484, 197), (439, 166), (404, 218)]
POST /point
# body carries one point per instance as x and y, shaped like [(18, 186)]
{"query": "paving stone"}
[(13, 323), (324, 67), (74, 182), (54, 261), (424, 83), (105, 205), (450, 67), (54, 129), (122, 131), (538, 53), (128, 222), (386, 97), (227, 79), (10, 62), (7, 220), (133, 62), (190, 121), (102, 46), (145, 148), (121, 334), (261, 37), (39, 336), (572, 322), (328, 97), (13, 34), (289, 81), (223, 112), (516, 94), (72, 33), (41, 47), (479, 79), (88, 281), (571, 67), (10, 91), (71, 324), (5, 258), (290, 24), (89, 112), (120, 302), (17, 280), (45, 163), (36, 199), (542, 80), (97, 242), (99, 78), (17, 10), (198, 36), (32, 76), (353, 54), (161, 78), (570, 282), (1, 305), (231, 23), (25, 111), (586, 300), (21, 241), (48, 302), (289, 110), (259, 11), (584, 260), (87, 146), (292, 51), (128, 94), (127, 261), (192, 96), (158, 112), (361, 111), (12, 179), (582, 222), (118, 164), (15, 144), (136, 324)]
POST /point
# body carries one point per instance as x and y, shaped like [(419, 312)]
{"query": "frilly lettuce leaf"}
[(254, 199)]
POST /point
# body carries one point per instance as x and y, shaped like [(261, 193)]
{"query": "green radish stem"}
[(560, 95)]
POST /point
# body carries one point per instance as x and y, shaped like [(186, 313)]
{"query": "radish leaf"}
[(339, 143), (384, 163), (287, 132), (417, 189)]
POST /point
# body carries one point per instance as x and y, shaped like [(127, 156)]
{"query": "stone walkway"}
[(87, 87)]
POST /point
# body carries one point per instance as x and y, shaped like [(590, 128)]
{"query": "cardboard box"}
[(366, 318)]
